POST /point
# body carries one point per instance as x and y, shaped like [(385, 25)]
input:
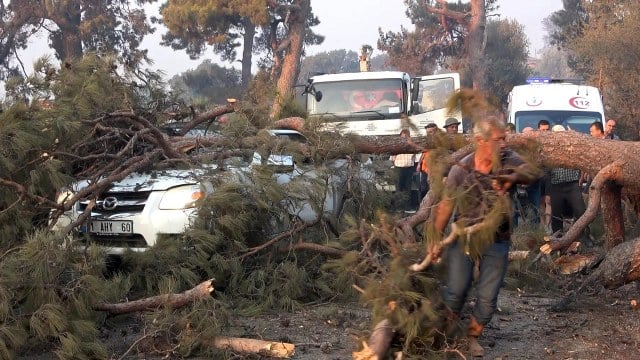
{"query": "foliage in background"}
[(506, 56), (74, 28), (553, 63), (567, 24), (600, 37), (207, 84), (430, 46)]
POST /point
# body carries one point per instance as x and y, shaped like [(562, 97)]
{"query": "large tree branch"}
[(456, 15), (207, 116), (173, 301)]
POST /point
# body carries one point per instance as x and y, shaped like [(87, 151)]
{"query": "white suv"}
[(133, 212)]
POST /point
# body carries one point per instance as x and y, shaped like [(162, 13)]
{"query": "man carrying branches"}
[(476, 194)]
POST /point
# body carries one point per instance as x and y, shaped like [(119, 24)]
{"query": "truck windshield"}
[(433, 94), (571, 120), (355, 99)]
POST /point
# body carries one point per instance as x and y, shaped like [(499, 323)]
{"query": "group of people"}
[(414, 166), (558, 195)]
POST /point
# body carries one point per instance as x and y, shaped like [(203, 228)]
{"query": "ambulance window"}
[(580, 123)]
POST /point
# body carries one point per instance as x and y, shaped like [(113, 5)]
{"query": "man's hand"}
[(502, 183), (434, 250)]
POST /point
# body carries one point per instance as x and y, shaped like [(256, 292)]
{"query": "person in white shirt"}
[(405, 167)]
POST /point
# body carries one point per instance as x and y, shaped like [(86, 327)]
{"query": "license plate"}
[(111, 226)]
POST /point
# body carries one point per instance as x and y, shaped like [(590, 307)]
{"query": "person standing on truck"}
[(476, 188), (405, 167)]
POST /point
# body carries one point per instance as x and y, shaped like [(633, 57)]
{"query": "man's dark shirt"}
[(473, 194)]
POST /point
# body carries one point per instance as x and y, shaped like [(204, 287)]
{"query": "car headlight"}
[(182, 197)]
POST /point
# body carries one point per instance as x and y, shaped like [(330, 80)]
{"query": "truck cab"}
[(569, 103), (374, 103)]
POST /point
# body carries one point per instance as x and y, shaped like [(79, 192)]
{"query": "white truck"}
[(371, 103), (569, 103)]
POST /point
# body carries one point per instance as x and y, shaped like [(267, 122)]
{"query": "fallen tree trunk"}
[(621, 266), (174, 301), (252, 346)]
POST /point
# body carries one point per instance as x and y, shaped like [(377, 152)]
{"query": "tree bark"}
[(174, 301), (247, 52), (476, 44), (67, 16), (291, 61), (611, 205)]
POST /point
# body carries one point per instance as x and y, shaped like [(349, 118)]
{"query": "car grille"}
[(118, 202)]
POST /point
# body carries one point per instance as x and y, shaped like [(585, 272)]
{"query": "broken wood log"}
[(173, 301), (573, 263), (275, 349), (620, 266), (518, 255)]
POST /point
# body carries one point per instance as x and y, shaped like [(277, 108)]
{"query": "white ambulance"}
[(569, 103)]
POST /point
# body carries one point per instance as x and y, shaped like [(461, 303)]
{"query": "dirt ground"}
[(596, 326)]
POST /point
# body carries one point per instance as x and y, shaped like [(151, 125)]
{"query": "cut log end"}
[(275, 349)]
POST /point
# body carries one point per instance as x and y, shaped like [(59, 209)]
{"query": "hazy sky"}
[(347, 24)]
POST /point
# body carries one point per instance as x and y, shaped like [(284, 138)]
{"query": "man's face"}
[(544, 127), (595, 132), (452, 129), (611, 126), (431, 130), (495, 144)]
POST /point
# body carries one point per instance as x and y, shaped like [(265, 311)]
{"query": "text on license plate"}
[(112, 226)]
